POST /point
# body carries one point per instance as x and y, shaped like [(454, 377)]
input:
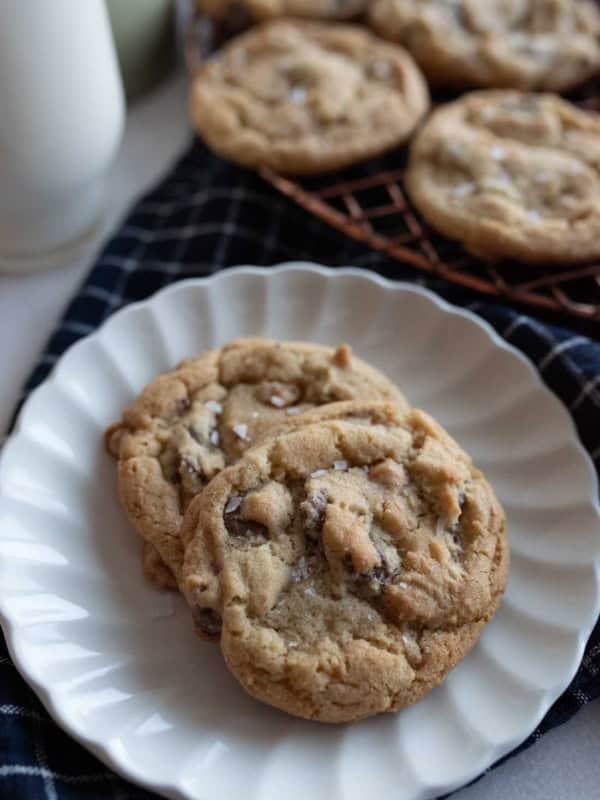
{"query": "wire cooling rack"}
[(369, 203)]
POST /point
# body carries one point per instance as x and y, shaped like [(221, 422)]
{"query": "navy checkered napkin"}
[(204, 216)]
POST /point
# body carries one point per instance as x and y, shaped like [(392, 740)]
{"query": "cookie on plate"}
[(549, 45), (190, 423), (347, 568), (511, 175), (265, 9), (303, 97), (355, 412)]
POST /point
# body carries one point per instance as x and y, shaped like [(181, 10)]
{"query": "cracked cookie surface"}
[(188, 424), (346, 568), (304, 97), (548, 45), (511, 175)]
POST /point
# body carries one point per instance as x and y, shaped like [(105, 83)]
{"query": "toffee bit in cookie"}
[(214, 438), (207, 620), (343, 356), (234, 502), (340, 466), (213, 406), (241, 431)]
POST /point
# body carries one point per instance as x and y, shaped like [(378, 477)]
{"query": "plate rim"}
[(105, 750)]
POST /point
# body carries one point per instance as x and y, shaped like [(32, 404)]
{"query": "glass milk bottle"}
[(61, 121)]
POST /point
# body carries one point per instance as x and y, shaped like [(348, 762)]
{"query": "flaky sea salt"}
[(533, 215), (463, 189), (300, 570), (241, 431), (403, 585), (213, 406), (214, 438), (381, 69), (233, 504), (340, 466), (297, 95), (310, 592), (276, 401), (318, 473), (497, 152), (293, 410)]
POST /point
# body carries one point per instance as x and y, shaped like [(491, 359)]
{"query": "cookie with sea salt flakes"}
[(190, 423), (549, 45), (354, 565), (265, 9), (511, 175), (303, 97)]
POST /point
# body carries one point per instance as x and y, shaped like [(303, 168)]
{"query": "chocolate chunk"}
[(245, 528), (207, 620)]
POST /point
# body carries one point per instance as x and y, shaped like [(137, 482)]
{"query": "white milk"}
[(61, 121)]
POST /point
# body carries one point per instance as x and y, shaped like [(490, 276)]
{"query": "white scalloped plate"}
[(115, 661)]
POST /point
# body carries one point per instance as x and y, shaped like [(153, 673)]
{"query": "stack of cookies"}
[(338, 544), (508, 172)]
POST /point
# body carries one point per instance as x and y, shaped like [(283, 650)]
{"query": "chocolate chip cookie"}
[(303, 97), (548, 45), (346, 568), (188, 424), (265, 9), (511, 175)]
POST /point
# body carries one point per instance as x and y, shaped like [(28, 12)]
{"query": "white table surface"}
[(565, 765)]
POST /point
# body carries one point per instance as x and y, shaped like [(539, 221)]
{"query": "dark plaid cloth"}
[(207, 215)]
